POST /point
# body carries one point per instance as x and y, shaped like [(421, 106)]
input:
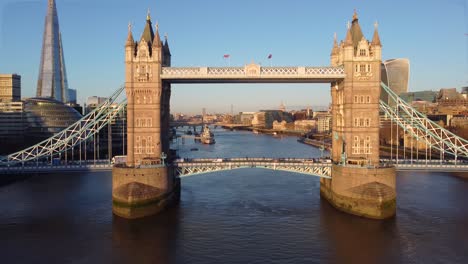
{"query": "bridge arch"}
[(185, 169)]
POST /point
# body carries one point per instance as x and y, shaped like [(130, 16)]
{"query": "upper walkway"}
[(252, 73)]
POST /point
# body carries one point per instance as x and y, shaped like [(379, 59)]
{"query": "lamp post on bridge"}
[(163, 158)]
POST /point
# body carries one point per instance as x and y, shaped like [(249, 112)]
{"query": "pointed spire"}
[(355, 16), (376, 38), (157, 39), (148, 34), (52, 80), (349, 39), (130, 40), (335, 45), (355, 30), (166, 45), (148, 15)]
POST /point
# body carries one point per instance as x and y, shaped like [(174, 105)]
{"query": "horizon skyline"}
[(99, 65)]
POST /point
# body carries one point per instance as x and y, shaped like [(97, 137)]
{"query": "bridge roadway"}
[(188, 167)]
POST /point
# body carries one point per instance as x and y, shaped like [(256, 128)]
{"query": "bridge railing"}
[(249, 163)]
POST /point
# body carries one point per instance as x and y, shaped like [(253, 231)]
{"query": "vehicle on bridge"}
[(56, 161), (119, 159)]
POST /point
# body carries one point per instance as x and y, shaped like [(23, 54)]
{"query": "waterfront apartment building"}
[(324, 122), (305, 125), (246, 118), (10, 88), (265, 118)]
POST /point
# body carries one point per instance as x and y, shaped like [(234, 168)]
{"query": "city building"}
[(305, 125), (428, 96), (395, 74), (280, 125), (324, 122), (10, 88), (265, 118), (302, 114), (464, 92), (46, 116), (12, 127), (94, 101), (72, 96), (52, 81), (246, 118), (210, 118), (460, 121), (449, 97)]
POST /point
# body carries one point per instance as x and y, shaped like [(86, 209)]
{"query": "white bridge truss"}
[(423, 129), (72, 136), (302, 166), (251, 73)]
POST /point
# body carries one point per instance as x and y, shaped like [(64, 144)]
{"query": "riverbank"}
[(315, 143)]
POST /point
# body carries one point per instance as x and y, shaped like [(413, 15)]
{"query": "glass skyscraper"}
[(395, 74), (52, 81)]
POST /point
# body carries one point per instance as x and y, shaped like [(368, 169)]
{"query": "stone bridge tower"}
[(145, 185), (359, 184)]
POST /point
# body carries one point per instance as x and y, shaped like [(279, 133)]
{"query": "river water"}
[(240, 216)]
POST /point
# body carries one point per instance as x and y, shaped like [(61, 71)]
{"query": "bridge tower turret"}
[(355, 126), (144, 185)]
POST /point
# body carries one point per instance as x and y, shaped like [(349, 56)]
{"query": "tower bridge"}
[(146, 184)]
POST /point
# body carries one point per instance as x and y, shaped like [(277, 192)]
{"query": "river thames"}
[(239, 216)]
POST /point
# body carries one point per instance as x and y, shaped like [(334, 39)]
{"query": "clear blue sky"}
[(431, 33)]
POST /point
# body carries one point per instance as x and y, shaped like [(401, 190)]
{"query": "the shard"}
[(52, 80)]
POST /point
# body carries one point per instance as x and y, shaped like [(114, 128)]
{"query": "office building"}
[(10, 88)]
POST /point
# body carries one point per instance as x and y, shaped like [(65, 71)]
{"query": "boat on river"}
[(207, 136)]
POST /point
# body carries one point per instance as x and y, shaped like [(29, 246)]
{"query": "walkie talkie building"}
[(52, 81)]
